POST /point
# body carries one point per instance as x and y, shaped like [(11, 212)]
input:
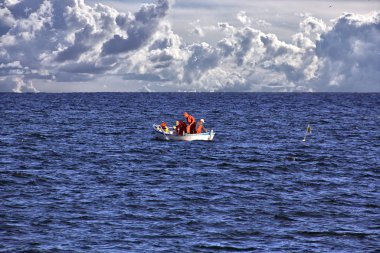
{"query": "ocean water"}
[(84, 173)]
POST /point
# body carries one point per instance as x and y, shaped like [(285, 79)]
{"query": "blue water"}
[(84, 173)]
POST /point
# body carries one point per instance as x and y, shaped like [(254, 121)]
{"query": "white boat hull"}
[(172, 135)]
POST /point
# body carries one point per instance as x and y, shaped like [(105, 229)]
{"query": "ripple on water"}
[(83, 172)]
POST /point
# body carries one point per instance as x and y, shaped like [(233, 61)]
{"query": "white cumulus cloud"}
[(350, 54), (16, 84), (71, 41)]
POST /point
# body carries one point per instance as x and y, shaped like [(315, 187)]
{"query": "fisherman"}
[(190, 129), (180, 127), (164, 127), (200, 126)]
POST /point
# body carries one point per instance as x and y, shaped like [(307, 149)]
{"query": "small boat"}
[(172, 135)]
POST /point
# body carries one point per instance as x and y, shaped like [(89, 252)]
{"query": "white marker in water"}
[(308, 131)]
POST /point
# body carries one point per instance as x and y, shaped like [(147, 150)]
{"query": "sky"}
[(181, 45)]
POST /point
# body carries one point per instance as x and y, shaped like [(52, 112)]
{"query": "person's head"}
[(202, 120), (177, 123), (186, 114)]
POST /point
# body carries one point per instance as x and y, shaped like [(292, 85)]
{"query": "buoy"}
[(308, 131)]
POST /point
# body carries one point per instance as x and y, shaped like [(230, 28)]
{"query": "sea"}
[(84, 172)]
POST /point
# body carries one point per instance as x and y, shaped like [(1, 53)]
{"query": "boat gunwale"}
[(187, 137)]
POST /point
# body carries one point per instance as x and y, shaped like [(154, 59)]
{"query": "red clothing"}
[(181, 127), (191, 124)]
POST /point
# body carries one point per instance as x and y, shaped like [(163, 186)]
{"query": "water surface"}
[(83, 172)]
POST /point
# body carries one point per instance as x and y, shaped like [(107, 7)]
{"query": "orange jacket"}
[(190, 129), (200, 127), (190, 120)]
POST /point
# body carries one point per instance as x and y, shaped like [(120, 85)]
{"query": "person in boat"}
[(200, 127), (164, 127), (190, 129), (180, 127)]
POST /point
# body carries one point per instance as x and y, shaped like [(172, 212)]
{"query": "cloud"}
[(6, 20), (23, 9), (197, 29), (202, 58), (344, 57), (16, 84), (70, 41), (53, 36), (243, 18), (320, 58), (249, 21), (350, 54), (139, 30)]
